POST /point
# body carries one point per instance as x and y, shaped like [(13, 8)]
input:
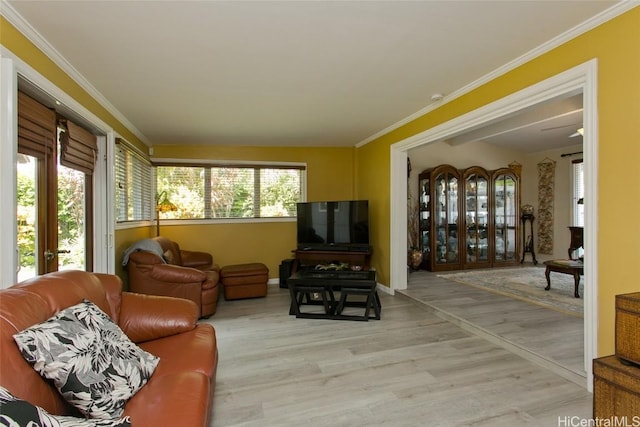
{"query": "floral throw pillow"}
[(16, 412), (93, 364)]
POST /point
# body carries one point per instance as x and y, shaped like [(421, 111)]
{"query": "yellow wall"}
[(329, 177), (615, 45)]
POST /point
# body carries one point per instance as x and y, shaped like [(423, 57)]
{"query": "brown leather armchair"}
[(177, 273)]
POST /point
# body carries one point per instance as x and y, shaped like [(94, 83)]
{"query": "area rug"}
[(526, 283)]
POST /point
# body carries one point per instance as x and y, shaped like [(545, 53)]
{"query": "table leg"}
[(294, 308), (547, 274), (576, 281)]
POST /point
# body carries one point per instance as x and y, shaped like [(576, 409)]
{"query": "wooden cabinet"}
[(468, 218)]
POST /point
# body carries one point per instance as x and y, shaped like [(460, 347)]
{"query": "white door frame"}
[(12, 67), (580, 78)]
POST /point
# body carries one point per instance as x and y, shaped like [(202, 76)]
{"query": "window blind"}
[(36, 127), (133, 189), (78, 147), (578, 192)]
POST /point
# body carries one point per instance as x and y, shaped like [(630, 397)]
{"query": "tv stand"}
[(314, 257)]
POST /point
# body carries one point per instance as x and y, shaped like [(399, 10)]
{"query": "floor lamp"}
[(163, 205)]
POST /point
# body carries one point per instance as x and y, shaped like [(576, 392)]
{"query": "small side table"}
[(565, 266), (527, 244)]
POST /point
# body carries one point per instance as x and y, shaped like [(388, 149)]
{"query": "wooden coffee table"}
[(565, 266)]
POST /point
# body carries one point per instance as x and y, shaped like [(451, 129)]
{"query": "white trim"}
[(110, 182), (8, 150), (209, 221), (398, 218), (582, 77), (591, 226), (41, 43), (599, 19), (9, 80), (384, 289), (100, 207), (29, 73), (226, 162)]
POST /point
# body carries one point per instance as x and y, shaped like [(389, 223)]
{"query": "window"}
[(230, 191), (133, 190), (578, 193)]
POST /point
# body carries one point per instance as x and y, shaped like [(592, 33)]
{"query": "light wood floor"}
[(548, 337), (411, 368)]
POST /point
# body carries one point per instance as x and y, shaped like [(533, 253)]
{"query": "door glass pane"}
[(71, 219), (27, 216), (505, 219), (476, 200)]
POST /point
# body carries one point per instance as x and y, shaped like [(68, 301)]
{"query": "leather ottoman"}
[(244, 280)]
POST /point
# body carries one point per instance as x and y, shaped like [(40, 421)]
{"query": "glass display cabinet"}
[(476, 204), (443, 232), (468, 218), (505, 216)]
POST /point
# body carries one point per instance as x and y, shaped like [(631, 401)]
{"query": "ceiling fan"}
[(579, 132)]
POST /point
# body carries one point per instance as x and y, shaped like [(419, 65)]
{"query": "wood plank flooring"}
[(412, 368), (552, 338)]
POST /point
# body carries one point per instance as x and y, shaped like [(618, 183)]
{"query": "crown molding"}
[(593, 22), (22, 25)]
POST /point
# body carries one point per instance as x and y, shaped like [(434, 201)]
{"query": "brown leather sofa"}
[(177, 273), (180, 391)]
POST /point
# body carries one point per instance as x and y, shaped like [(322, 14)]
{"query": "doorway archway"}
[(582, 78)]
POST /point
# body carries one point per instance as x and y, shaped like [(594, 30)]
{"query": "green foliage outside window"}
[(26, 195), (71, 220), (230, 192)]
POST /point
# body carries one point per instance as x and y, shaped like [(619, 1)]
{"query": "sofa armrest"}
[(145, 257), (195, 259), (175, 274), (148, 317)]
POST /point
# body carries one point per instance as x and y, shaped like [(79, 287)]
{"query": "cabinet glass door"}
[(446, 218), (425, 219), (505, 219), (476, 217)]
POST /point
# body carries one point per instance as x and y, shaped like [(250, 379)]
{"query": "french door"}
[(54, 221)]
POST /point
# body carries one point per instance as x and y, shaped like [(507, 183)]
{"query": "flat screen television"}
[(338, 225)]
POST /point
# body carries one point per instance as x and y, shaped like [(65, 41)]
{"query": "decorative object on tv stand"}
[(163, 205)]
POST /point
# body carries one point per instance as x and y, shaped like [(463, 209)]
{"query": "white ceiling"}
[(322, 73)]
